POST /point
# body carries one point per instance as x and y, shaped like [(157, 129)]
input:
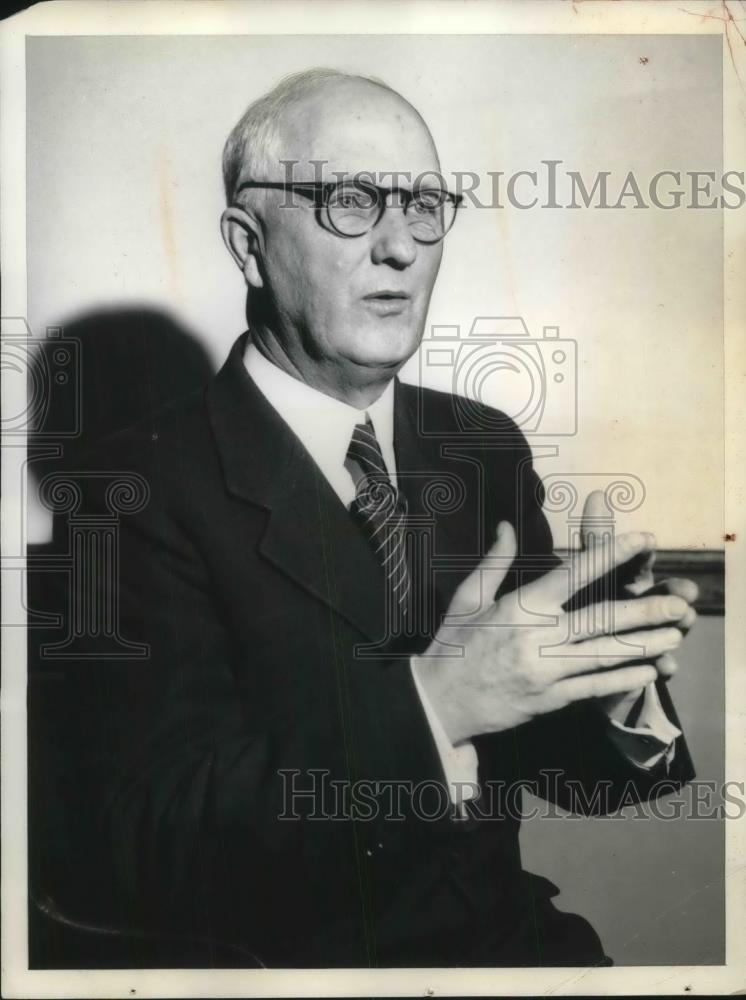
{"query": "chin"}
[(383, 359), (385, 349)]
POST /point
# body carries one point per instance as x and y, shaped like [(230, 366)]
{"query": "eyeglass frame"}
[(323, 190)]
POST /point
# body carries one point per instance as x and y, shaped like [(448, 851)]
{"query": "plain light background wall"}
[(124, 197)]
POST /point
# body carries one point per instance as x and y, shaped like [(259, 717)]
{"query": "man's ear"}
[(242, 234)]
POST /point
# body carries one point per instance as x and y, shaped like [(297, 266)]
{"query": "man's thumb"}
[(477, 592)]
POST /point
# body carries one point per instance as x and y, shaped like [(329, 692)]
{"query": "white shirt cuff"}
[(652, 739), (460, 762)]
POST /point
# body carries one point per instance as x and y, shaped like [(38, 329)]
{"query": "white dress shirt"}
[(324, 426)]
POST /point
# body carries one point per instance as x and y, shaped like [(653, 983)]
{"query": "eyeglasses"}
[(353, 208)]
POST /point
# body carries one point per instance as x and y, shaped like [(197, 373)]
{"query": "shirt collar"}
[(323, 424)]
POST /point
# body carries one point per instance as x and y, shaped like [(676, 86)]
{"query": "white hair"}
[(256, 136)]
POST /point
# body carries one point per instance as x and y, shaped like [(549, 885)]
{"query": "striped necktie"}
[(380, 510)]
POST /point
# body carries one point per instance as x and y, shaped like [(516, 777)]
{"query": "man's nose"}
[(393, 243)]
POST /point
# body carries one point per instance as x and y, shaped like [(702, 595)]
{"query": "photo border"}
[(284, 17)]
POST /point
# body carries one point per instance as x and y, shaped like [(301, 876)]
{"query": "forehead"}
[(356, 126)]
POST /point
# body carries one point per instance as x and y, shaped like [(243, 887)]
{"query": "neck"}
[(355, 385)]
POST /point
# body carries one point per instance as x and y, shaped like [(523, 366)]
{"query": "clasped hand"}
[(495, 664)]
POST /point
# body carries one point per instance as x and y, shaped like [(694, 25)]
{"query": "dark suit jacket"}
[(253, 588)]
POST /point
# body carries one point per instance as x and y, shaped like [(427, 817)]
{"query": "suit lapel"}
[(310, 535), (445, 493)]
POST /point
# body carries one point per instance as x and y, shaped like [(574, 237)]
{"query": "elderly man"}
[(305, 764)]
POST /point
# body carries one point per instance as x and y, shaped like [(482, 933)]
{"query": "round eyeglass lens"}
[(430, 215), (353, 209)]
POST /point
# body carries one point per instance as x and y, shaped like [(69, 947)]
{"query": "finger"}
[(477, 591), (595, 516), (623, 616), (604, 683), (611, 651), (687, 621), (594, 529), (583, 568), (666, 666), (674, 585), (681, 587)]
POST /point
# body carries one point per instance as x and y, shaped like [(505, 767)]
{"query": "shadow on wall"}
[(94, 376), (98, 374), (108, 369)]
